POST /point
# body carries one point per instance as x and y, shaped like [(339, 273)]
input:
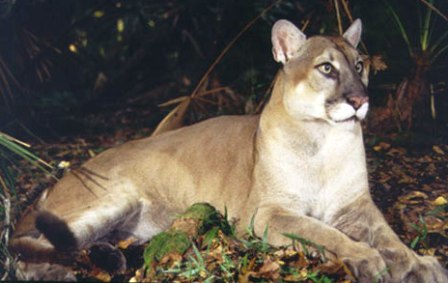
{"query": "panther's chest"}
[(315, 183)]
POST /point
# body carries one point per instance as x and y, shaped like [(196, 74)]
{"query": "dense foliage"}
[(60, 60)]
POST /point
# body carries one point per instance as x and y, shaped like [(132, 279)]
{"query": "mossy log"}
[(196, 220)]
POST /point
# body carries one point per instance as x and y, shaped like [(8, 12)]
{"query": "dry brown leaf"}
[(101, 275), (245, 277), (270, 269), (413, 197), (377, 63), (438, 150), (436, 225), (302, 261), (406, 179), (174, 119), (381, 146), (396, 151), (331, 267), (126, 243), (430, 252), (440, 201), (174, 101)]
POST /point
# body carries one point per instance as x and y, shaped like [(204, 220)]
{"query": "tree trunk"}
[(412, 99)]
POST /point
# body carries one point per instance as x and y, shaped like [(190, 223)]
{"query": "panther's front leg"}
[(362, 221)]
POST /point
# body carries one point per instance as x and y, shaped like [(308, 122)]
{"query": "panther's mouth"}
[(353, 118), (344, 112)]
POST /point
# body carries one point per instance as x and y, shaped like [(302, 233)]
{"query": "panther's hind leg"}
[(96, 221), (45, 232)]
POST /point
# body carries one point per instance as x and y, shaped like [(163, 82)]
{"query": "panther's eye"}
[(325, 68), (359, 67)]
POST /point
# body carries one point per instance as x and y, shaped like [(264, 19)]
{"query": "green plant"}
[(305, 243), (254, 242), (10, 149), (228, 267), (12, 145), (422, 232), (425, 43), (196, 266)]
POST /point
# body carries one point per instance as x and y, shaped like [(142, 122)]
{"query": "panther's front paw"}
[(366, 264), (406, 266), (426, 269)]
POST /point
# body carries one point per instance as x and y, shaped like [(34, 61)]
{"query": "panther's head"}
[(324, 77)]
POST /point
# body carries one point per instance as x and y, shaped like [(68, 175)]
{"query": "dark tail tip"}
[(56, 231)]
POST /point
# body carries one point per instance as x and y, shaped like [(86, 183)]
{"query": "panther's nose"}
[(357, 100)]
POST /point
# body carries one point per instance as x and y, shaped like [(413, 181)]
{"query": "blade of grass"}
[(437, 43), (251, 228), (438, 53), (424, 40), (24, 144), (22, 152), (400, 26), (26, 155), (437, 11), (305, 242)]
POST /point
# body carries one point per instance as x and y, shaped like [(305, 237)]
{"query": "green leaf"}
[(400, 26), (415, 242)]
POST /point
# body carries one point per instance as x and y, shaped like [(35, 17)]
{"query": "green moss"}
[(208, 216), (165, 243), (207, 220), (199, 211)]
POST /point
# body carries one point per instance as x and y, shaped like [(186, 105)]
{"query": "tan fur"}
[(300, 166)]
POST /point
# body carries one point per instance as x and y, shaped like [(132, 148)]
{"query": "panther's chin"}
[(348, 120)]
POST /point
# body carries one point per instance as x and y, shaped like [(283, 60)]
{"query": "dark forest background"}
[(61, 61)]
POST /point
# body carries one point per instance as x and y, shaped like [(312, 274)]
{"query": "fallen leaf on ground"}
[(438, 150), (440, 201), (126, 243), (101, 275), (270, 269)]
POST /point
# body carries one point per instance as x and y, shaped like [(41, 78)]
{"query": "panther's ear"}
[(353, 33), (286, 40)]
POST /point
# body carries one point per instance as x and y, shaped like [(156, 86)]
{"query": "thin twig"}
[(229, 45), (29, 132), (338, 16), (5, 187), (3, 77), (214, 90), (183, 106), (7, 222), (432, 7), (350, 17), (8, 72), (4, 237), (305, 25), (347, 10), (24, 144)]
